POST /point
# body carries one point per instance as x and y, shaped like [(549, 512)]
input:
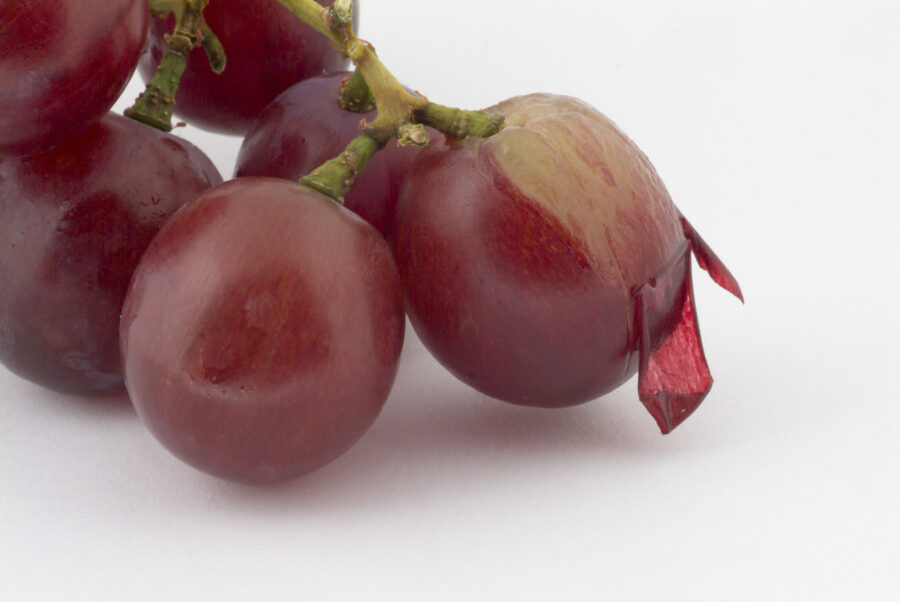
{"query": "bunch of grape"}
[(257, 324)]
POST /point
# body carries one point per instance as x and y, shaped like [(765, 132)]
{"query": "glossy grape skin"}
[(73, 224), (63, 63), (523, 257), (267, 48), (304, 127), (262, 331)]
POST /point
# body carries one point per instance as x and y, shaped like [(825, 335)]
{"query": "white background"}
[(775, 126)]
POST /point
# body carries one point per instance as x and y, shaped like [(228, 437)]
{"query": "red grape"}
[(545, 264), (304, 127), (262, 330), (267, 48), (73, 224), (62, 66)]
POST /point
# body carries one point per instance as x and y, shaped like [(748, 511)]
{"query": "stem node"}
[(342, 11), (412, 134), (401, 114)]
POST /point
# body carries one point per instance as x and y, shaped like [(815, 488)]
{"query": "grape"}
[(62, 66), (73, 223), (267, 48), (262, 330), (304, 127), (546, 264)]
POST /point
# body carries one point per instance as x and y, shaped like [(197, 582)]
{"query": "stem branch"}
[(400, 113), (335, 177), (460, 123), (156, 104), (355, 94), (159, 8)]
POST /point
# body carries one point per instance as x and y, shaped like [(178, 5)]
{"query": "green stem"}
[(400, 113), (355, 94), (159, 8), (395, 104), (335, 177), (215, 52), (459, 123), (156, 104)]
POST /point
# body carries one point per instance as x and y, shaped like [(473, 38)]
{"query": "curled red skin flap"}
[(673, 377), (710, 262)]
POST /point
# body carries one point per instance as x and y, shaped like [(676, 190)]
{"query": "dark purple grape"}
[(62, 66), (73, 223)]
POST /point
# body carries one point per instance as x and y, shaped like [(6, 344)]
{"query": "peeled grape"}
[(547, 264), (73, 223), (262, 330)]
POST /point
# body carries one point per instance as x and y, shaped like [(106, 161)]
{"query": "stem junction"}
[(156, 104), (401, 114)]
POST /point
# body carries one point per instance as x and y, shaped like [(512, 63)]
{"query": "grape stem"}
[(160, 8), (155, 105), (355, 94), (401, 114), (395, 105)]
